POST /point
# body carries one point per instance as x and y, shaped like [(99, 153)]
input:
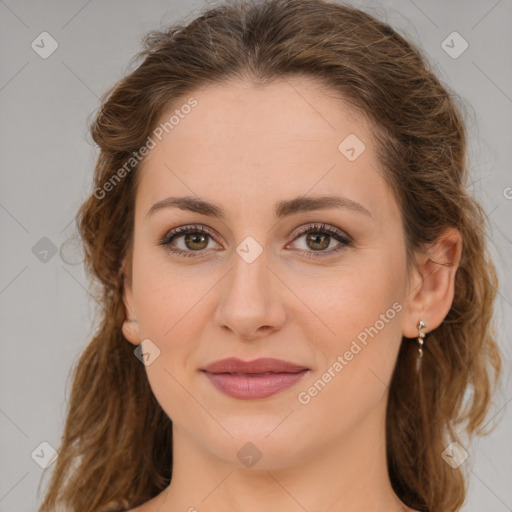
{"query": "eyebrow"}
[(282, 209)]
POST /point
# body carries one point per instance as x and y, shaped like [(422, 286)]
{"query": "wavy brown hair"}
[(113, 419)]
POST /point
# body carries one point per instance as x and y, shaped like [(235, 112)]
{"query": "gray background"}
[(46, 314)]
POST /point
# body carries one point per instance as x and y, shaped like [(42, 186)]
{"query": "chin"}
[(260, 443)]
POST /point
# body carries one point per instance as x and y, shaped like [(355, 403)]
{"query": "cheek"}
[(361, 312), (356, 297), (172, 315), (166, 294)]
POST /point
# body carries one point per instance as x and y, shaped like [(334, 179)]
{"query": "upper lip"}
[(262, 365)]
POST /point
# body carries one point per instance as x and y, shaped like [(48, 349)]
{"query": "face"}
[(268, 271)]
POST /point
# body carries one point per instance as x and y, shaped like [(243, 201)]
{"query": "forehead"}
[(286, 110), (242, 140)]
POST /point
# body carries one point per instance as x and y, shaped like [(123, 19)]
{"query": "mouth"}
[(251, 380)]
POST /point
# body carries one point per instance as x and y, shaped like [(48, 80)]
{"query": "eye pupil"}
[(196, 238), (320, 240)]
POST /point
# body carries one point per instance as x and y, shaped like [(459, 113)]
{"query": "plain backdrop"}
[(46, 313)]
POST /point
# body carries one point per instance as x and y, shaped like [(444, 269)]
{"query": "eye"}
[(187, 240), (319, 240)]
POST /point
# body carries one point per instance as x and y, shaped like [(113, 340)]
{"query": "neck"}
[(349, 476)]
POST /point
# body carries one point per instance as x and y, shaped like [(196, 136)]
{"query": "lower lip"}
[(253, 387)]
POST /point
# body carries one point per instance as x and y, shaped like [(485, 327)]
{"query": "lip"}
[(251, 380)]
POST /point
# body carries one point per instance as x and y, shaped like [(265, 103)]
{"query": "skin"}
[(245, 148)]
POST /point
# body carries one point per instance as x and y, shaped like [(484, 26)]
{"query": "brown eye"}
[(189, 240), (196, 241), (318, 241)]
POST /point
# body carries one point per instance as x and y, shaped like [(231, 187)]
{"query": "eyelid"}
[(320, 226), (200, 228)]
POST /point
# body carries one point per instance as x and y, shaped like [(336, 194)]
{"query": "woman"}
[(296, 292)]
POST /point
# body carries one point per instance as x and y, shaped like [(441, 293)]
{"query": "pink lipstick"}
[(251, 380)]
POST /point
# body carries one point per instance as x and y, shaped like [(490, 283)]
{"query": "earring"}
[(421, 335)]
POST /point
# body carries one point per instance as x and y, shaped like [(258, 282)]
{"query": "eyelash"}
[(320, 228)]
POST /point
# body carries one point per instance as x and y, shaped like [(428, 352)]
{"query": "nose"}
[(250, 304)]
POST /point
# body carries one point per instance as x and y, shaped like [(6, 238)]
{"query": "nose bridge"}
[(248, 278), (249, 298)]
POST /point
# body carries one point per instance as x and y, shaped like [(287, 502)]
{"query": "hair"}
[(113, 419)]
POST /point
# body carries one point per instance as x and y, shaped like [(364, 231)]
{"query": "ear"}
[(130, 325), (432, 284)]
